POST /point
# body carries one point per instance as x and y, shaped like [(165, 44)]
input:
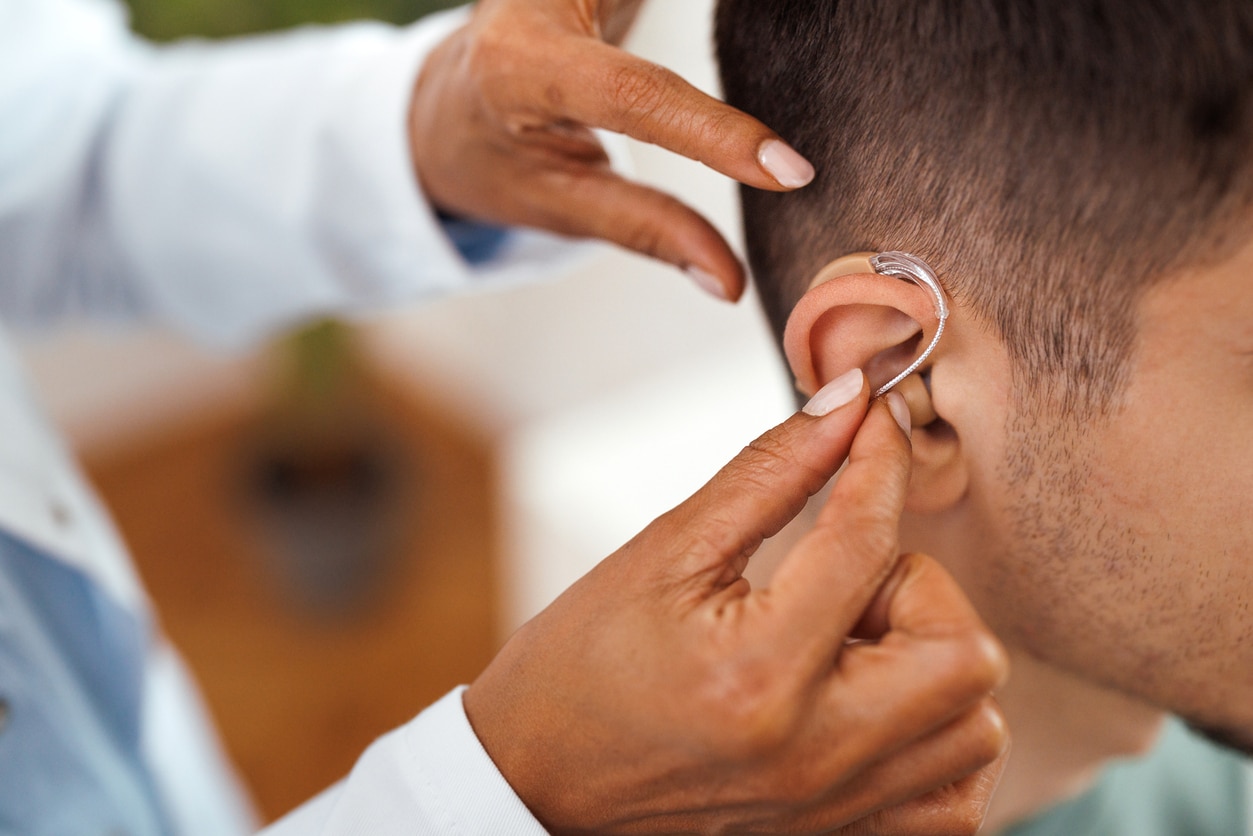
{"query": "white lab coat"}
[(224, 189)]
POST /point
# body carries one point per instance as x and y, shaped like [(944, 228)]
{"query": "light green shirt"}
[(1185, 787)]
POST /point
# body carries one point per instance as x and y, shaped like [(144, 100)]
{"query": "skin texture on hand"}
[(501, 123), (662, 694)]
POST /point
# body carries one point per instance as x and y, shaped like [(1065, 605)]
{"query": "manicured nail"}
[(835, 394), (900, 411), (707, 282), (784, 164)]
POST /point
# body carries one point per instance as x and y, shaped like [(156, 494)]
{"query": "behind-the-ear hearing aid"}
[(898, 265)]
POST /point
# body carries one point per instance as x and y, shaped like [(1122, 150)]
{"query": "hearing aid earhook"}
[(905, 266)]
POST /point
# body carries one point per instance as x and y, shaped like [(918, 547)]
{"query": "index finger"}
[(763, 488), (829, 579), (604, 87)]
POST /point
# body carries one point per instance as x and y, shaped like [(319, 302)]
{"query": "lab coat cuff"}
[(409, 252), (454, 774), (431, 775)]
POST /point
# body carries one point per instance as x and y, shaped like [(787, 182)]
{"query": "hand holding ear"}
[(662, 694), (500, 132)]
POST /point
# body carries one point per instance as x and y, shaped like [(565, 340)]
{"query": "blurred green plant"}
[(165, 20)]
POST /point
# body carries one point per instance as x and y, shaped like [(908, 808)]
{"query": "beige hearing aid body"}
[(810, 313)]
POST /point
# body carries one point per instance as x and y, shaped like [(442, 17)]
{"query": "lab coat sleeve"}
[(429, 776), (222, 188)]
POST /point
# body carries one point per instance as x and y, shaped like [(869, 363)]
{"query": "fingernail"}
[(835, 394), (707, 282), (784, 164), (900, 411)]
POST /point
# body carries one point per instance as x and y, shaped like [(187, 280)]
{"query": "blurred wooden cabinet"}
[(299, 691)]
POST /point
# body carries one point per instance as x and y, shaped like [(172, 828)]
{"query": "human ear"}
[(852, 317)]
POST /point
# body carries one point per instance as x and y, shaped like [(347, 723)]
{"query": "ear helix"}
[(811, 310)]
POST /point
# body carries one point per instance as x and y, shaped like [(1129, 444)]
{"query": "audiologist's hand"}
[(500, 132), (661, 694)]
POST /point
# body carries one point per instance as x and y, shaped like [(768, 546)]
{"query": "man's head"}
[(1080, 175)]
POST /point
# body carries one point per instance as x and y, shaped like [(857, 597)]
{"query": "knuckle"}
[(490, 51), (774, 454), (865, 529), (716, 127), (872, 534), (801, 789), (496, 58), (870, 515), (719, 536), (790, 446), (648, 235), (769, 451), (952, 815), (990, 732), (703, 527), (954, 810), (983, 659), (758, 477), (964, 813), (959, 821), (638, 91)]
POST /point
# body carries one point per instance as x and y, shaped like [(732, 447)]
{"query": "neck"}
[(1064, 730)]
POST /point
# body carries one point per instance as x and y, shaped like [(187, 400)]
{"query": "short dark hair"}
[(1052, 159)]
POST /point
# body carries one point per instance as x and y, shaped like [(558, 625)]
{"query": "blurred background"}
[(341, 525)]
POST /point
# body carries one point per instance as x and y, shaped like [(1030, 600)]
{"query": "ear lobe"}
[(856, 319)]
